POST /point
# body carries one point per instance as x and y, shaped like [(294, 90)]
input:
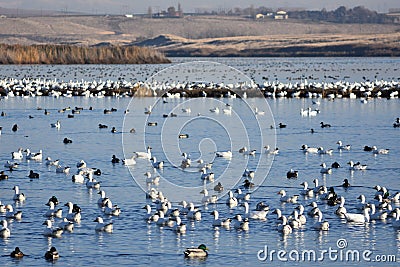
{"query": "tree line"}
[(73, 54)]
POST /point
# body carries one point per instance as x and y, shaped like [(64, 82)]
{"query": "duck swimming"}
[(52, 254), (17, 253), (200, 251), (33, 175)]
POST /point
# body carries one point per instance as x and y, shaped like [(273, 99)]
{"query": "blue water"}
[(135, 242)]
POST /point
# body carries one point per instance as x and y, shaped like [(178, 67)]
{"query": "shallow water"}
[(134, 242)]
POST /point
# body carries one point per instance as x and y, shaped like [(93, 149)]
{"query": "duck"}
[(219, 187), (51, 254), (294, 220), (185, 207), (101, 226), (346, 183), (56, 124), (248, 173), (200, 251), (240, 223), (215, 110), (284, 227), (114, 159), (3, 176), (316, 188), (356, 166), (152, 123), (358, 218), (247, 184), (262, 206), (314, 209), (18, 154), (377, 151), (73, 216), (17, 253), (186, 110), (148, 216), (152, 180), (10, 214), (102, 126), (292, 174), (341, 209), (156, 164), (335, 165), (33, 175), (144, 155), (324, 169), (231, 201), (52, 232), (4, 231), (309, 192), (67, 141), (202, 164), (66, 225), (281, 125), (324, 125), (343, 147), (33, 156), (321, 225), (17, 195), (396, 222), (220, 222), (278, 213), (224, 154), (312, 150), (255, 214), (15, 128)]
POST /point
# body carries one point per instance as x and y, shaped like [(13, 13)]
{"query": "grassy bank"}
[(73, 54)]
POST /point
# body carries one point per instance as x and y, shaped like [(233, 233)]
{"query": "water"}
[(134, 242)]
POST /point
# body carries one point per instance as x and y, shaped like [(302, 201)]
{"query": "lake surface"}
[(136, 242)]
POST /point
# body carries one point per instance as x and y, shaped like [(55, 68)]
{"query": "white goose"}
[(179, 227), (311, 150), (224, 154), (302, 218), (377, 151), (342, 147), (72, 216), (10, 214), (356, 166), (78, 178), (186, 161), (358, 218), (56, 125), (255, 214), (34, 156), (50, 231), (103, 227), (341, 209), (220, 222), (208, 199), (286, 199), (17, 154), (202, 165), (240, 224), (309, 192), (61, 169), (193, 213), (50, 162), (242, 196), (144, 155), (215, 110), (231, 201), (362, 204), (111, 209), (324, 169), (284, 227), (52, 212), (322, 151), (17, 195), (101, 201), (396, 223), (316, 188), (66, 225), (92, 182), (4, 231), (377, 215), (152, 180), (156, 164), (129, 161), (207, 176), (294, 221), (321, 225)]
